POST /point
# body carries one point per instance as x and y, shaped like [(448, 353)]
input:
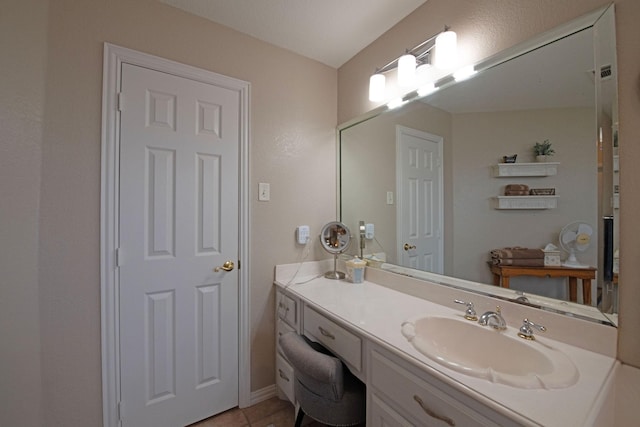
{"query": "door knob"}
[(227, 266), (408, 246)]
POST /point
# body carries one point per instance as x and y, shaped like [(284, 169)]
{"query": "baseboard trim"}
[(263, 394)]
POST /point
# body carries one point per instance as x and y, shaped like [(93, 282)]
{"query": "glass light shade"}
[(424, 74), (376, 87), (446, 50), (407, 70)]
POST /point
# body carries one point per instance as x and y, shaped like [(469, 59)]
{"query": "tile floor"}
[(270, 413)]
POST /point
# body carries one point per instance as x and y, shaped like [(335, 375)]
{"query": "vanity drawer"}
[(281, 329), (286, 307), (343, 343), (419, 399), (284, 377)]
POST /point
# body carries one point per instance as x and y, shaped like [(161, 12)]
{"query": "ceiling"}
[(329, 31)]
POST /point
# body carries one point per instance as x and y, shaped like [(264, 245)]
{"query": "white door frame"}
[(114, 56), (400, 130)]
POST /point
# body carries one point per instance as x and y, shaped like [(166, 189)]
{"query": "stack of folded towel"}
[(517, 256), (516, 190)]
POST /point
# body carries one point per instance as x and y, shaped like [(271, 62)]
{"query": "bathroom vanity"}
[(362, 325)]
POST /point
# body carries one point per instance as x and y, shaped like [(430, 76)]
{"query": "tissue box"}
[(552, 258)]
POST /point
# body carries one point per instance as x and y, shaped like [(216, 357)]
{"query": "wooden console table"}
[(502, 274)]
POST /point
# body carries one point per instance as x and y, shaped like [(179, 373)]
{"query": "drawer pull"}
[(326, 333), (431, 413), (283, 376), (283, 306)]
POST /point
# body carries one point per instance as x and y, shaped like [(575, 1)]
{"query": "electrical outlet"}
[(303, 234), (369, 231)]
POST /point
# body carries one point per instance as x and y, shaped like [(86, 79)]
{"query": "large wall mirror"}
[(561, 87)]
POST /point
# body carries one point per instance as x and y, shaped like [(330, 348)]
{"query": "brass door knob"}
[(227, 266), (408, 246)]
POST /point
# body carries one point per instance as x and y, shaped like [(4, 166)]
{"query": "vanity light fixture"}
[(395, 103), (406, 70), (464, 73), (376, 87), (446, 49), (415, 67), (426, 89)]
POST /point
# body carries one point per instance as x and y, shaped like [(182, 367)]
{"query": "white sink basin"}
[(480, 351)]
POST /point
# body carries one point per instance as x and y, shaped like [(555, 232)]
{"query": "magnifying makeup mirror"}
[(335, 238)]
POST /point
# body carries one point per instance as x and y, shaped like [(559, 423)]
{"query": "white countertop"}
[(377, 312)]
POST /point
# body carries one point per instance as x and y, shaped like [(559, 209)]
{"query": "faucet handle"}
[(470, 313), (526, 332)]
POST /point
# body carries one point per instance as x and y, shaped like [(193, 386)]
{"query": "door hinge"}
[(119, 410), (120, 101), (119, 257)]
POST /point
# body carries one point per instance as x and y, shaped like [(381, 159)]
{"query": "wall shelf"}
[(503, 170), (525, 202)]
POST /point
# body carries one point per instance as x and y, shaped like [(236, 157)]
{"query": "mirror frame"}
[(583, 22)]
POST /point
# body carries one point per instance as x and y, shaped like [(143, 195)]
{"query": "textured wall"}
[(292, 119), (23, 51)]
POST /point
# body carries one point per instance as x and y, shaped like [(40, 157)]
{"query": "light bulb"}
[(376, 87)]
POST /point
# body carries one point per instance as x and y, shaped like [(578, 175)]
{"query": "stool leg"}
[(300, 417)]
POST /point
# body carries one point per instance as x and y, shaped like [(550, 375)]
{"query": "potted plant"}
[(543, 150)]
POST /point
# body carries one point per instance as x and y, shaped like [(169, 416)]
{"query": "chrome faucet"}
[(493, 319), (470, 313), (521, 297), (526, 332)]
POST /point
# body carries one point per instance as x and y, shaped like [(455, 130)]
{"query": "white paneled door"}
[(178, 219), (420, 199)]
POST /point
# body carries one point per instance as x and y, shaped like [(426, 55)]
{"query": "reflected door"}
[(178, 221), (420, 199)]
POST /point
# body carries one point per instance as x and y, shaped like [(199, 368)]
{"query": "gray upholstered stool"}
[(324, 389)]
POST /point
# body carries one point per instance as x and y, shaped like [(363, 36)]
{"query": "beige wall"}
[(486, 27), (23, 26), (293, 118), (479, 140)]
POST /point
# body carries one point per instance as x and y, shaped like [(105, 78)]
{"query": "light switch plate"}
[(264, 192)]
